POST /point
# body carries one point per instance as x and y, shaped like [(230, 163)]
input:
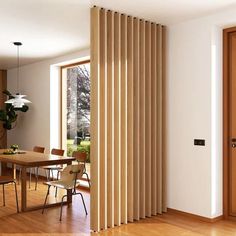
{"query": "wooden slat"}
[(117, 136), (148, 179), (159, 119), (142, 148), (130, 122), (153, 116), (136, 104), (123, 111), (95, 157), (164, 155), (102, 118), (110, 121)]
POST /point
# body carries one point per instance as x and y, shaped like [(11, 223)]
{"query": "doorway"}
[(229, 123)]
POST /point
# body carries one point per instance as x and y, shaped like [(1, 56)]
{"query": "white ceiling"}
[(49, 28)]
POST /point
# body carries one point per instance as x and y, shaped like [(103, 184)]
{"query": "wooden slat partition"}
[(127, 119)]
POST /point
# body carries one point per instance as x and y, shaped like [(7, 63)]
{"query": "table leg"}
[(4, 168), (23, 189), (14, 171)]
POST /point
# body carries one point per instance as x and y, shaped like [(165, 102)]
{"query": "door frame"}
[(226, 123)]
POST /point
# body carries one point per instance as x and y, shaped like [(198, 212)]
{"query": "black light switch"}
[(199, 142)]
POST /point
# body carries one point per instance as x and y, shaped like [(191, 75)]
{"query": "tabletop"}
[(34, 159)]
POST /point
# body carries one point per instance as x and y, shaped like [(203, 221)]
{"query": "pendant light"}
[(18, 101)]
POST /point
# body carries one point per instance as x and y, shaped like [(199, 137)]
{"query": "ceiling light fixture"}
[(18, 101)]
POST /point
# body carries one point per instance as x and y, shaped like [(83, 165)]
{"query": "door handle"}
[(233, 145)]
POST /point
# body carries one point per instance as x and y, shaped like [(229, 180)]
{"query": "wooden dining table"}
[(29, 159)]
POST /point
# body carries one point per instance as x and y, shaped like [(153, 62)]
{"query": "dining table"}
[(30, 159)]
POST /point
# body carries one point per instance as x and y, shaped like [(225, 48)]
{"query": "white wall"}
[(40, 82), (194, 107)]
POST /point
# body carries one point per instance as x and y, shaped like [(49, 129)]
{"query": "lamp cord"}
[(18, 68)]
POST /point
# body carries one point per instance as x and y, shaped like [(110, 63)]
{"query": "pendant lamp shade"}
[(19, 100)]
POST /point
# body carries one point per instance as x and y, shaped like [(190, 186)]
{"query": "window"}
[(76, 108)]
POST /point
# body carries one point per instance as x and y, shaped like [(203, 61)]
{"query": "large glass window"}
[(76, 89)]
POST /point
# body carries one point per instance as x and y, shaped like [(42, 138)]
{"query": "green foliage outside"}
[(84, 146)]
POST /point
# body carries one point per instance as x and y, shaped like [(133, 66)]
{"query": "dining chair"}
[(7, 180), (81, 158), (50, 169), (38, 149), (68, 181)]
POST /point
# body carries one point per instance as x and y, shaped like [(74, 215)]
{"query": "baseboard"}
[(202, 218)]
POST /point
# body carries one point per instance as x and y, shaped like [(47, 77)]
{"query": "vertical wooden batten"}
[(95, 131), (102, 118), (142, 147), (159, 119), (148, 179), (123, 113), (117, 124), (127, 119), (164, 190), (110, 117), (153, 118), (136, 119), (130, 119)]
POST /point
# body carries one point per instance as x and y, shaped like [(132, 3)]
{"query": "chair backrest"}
[(72, 172), (58, 152), (39, 149), (80, 156)]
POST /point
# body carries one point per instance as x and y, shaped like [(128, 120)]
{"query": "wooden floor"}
[(76, 223)]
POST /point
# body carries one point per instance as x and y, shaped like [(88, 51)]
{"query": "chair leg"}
[(52, 174), (45, 201), (56, 187), (3, 194), (88, 179), (56, 192), (17, 205), (36, 177), (83, 203), (57, 175), (46, 172), (62, 201)]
